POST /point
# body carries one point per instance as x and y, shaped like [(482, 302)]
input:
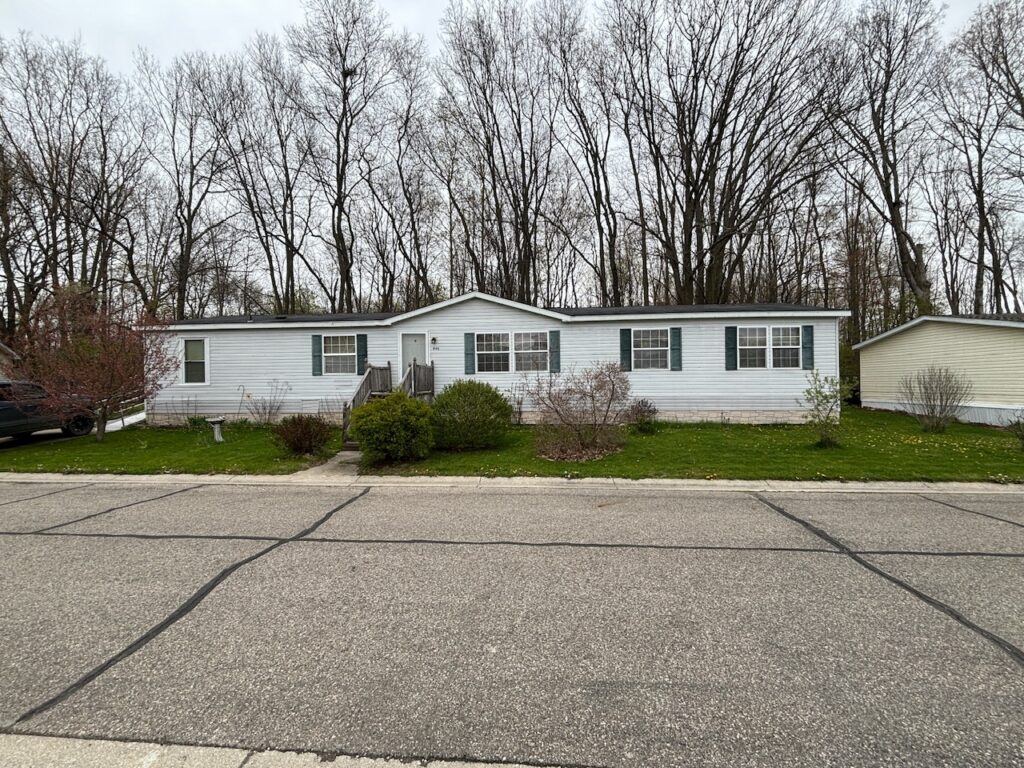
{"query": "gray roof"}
[(653, 309), (1008, 317), (682, 309), (244, 319)]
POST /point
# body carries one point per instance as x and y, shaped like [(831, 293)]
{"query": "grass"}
[(247, 449), (875, 446)]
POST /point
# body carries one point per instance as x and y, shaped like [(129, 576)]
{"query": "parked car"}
[(22, 412)]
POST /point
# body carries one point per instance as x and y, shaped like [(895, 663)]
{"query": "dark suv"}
[(22, 412)]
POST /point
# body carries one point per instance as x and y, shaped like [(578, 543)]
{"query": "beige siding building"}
[(989, 350)]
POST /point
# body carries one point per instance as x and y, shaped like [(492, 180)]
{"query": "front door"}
[(414, 347)]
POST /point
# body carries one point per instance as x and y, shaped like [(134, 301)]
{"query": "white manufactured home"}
[(987, 349), (742, 363)]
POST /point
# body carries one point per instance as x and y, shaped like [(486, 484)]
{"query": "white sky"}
[(114, 29)]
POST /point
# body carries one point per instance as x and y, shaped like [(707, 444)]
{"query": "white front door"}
[(414, 347)]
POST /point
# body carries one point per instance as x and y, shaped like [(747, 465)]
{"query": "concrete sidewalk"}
[(50, 752), (322, 476)]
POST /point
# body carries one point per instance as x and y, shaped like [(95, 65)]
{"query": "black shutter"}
[(360, 353), (675, 346), (807, 347), (626, 348), (555, 351), (470, 353), (318, 355), (731, 355)]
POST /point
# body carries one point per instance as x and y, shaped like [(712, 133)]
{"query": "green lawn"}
[(876, 446), (246, 449)]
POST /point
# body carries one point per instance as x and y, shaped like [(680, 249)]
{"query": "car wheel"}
[(77, 426)]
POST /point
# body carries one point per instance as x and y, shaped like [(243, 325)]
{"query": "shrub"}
[(304, 434), (470, 414), (936, 396), (265, 409), (1016, 427), (641, 417), (582, 413), (824, 398), (394, 428)]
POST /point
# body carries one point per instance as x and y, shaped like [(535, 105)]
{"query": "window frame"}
[(546, 351), (206, 361), (798, 347), (511, 352), (509, 356), (769, 347), (766, 347), (633, 349), (354, 354)]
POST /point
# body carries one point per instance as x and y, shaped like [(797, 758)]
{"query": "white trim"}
[(476, 295), (941, 319), (769, 347), (799, 348), (633, 349), (547, 352), (476, 352), (324, 354), (206, 361)]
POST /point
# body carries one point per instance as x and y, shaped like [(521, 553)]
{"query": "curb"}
[(26, 751), (524, 483)]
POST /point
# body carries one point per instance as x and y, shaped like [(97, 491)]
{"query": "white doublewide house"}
[(742, 363)]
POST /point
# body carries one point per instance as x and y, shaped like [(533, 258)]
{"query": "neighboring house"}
[(987, 349), (8, 357), (744, 363)]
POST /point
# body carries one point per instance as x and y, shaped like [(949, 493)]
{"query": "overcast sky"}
[(115, 28)]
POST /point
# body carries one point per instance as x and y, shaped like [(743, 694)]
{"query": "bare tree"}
[(890, 59)]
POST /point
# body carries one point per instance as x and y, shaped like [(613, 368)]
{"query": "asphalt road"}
[(575, 627)]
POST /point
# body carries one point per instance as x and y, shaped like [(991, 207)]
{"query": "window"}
[(786, 347), (650, 349), (492, 353), (531, 351), (339, 354), (195, 361), (752, 344)]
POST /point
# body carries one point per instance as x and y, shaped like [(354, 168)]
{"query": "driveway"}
[(550, 627)]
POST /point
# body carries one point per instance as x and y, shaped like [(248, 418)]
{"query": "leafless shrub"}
[(516, 397), (1016, 427), (642, 417), (581, 413), (266, 409), (181, 410), (332, 409), (935, 395)]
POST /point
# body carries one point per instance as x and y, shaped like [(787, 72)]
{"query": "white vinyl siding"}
[(339, 354), (650, 349), (531, 351), (194, 362)]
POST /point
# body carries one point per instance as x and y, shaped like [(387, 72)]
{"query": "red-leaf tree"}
[(92, 358)]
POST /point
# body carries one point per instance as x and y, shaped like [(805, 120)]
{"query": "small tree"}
[(581, 413), (936, 396), (824, 399), (93, 359)]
